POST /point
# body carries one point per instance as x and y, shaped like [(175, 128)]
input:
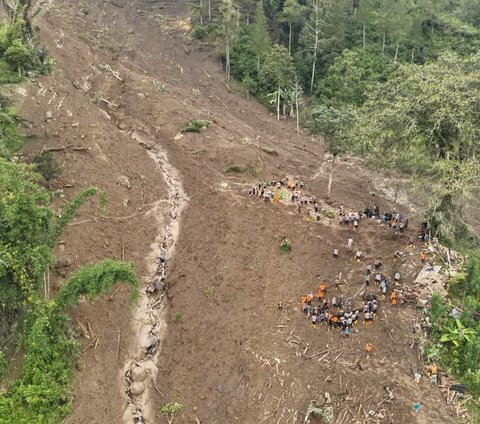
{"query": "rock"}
[(124, 182), (137, 388), (126, 203), (63, 263), (139, 374), (69, 113), (75, 124), (48, 115), (140, 96), (122, 126)]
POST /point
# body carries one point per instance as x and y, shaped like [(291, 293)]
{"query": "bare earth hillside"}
[(126, 81)]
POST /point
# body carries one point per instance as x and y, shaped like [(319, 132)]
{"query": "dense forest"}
[(396, 82)]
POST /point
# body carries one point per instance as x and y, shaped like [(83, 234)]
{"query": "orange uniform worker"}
[(323, 287), (309, 297), (320, 294), (423, 257), (393, 298), (368, 347)]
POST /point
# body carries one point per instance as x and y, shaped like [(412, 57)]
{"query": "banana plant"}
[(457, 334)]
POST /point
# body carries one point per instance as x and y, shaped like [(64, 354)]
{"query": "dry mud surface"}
[(127, 79)]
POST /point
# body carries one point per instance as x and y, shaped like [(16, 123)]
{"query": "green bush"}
[(328, 213), (236, 169), (472, 381), (472, 281), (196, 126), (7, 76), (42, 393), (3, 365), (177, 317), (95, 279), (169, 410), (10, 138), (19, 56), (47, 166), (199, 32), (285, 246)]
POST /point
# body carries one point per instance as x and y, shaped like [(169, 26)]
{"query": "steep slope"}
[(126, 82)]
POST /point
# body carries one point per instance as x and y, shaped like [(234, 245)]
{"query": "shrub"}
[(95, 279), (237, 169), (199, 32), (169, 410), (270, 151), (19, 56), (328, 213), (472, 381), (43, 390), (47, 166), (285, 245), (177, 317), (196, 126)]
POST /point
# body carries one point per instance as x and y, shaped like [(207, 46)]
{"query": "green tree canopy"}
[(277, 71), (260, 41), (426, 121)]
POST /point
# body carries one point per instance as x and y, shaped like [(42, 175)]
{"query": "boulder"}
[(137, 388), (139, 374), (124, 182)]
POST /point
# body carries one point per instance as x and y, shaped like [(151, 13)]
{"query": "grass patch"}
[(162, 88), (236, 169), (269, 151), (240, 169), (209, 292), (177, 317), (196, 126), (328, 213)]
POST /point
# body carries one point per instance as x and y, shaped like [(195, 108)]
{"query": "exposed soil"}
[(230, 355)]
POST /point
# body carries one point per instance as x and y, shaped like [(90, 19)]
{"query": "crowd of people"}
[(334, 313), (393, 219), (287, 189)]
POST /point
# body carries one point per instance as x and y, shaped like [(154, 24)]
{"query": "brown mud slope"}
[(127, 79)]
